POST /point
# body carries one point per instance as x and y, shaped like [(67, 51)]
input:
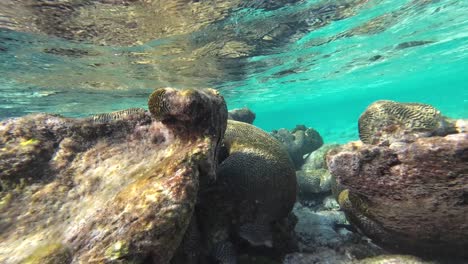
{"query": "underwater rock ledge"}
[(115, 188)]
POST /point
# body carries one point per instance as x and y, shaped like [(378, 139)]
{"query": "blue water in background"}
[(323, 76)]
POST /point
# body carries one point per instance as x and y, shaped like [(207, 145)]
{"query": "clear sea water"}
[(318, 63)]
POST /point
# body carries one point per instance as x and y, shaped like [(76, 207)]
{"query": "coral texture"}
[(257, 168), (253, 196), (388, 120)]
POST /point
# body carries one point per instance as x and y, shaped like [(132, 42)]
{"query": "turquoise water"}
[(318, 63)]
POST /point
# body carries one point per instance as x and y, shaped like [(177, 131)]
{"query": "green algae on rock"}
[(50, 254), (120, 190)]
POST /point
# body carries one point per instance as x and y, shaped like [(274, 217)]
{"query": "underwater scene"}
[(234, 132)]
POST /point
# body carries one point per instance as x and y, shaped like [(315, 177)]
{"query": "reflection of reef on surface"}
[(119, 190), (127, 44)]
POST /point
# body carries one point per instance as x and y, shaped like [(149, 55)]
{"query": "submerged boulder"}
[(242, 115), (314, 178), (299, 141), (117, 187), (410, 195)]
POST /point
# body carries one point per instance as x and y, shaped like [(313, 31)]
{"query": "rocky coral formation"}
[(410, 195), (242, 115), (314, 178), (299, 142), (114, 188)]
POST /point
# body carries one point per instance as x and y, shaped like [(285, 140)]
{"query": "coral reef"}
[(388, 120), (299, 142), (122, 189), (410, 195), (242, 115)]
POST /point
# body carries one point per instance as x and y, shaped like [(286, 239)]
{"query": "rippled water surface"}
[(318, 63)]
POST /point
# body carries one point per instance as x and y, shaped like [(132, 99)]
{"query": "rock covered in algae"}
[(386, 120), (111, 188), (410, 196)]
